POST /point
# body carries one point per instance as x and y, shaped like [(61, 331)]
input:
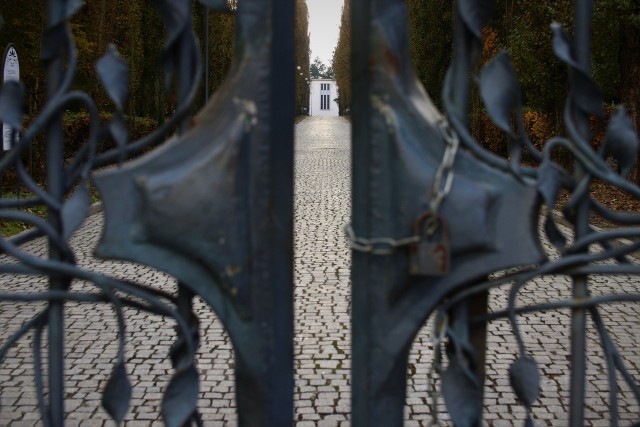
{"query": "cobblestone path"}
[(322, 207), (322, 328)]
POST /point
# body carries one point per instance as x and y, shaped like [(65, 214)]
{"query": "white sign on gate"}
[(11, 71)]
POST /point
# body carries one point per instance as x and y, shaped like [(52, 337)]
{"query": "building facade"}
[(322, 95)]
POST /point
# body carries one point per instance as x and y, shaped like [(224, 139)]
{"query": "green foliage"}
[(75, 128), (11, 228), (301, 35), (221, 44), (431, 37), (341, 62), (330, 73), (319, 70), (521, 27), (524, 30), (538, 126), (135, 27)]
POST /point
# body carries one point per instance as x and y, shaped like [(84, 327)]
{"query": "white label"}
[(6, 138), (11, 66), (11, 72)]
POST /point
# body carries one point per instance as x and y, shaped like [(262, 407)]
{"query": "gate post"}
[(55, 187)]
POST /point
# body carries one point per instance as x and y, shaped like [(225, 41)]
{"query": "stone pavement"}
[(322, 328)]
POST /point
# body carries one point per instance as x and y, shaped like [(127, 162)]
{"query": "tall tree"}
[(523, 28), (430, 35), (302, 56), (221, 46), (330, 74), (630, 68), (341, 62), (318, 69)]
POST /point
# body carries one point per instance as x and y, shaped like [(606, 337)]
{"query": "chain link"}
[(376, 245), (443, 179)]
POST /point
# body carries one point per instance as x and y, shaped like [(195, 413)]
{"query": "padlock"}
[(430, 256)]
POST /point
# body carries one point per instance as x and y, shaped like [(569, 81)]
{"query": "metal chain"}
[(443, 179), (440, 189), (376, 245)]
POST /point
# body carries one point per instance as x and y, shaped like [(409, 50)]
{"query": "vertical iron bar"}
[(582, 45), (55, 187), (185, 295), (462, 41), (281, 158), (360, 158)]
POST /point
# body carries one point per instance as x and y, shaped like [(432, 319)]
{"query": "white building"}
[(322, 95)]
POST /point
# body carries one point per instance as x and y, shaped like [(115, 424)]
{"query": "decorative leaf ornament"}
[(176, 15), (67, 199), (180, 398), (114, 75), (461, 388), (500, 91), (584, 92), (525, 380), (462, 395), (117, 393), (69, 8), (621, 140), (475, 14), (75, 210), (550, 180)]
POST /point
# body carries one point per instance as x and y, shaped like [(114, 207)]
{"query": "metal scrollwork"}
[(215, 176), (66, 198), (492, 212), (502, 97)]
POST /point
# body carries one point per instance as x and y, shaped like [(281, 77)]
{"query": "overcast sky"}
[(324, 24)]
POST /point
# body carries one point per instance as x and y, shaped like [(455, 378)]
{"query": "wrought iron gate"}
[(434, 217)]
